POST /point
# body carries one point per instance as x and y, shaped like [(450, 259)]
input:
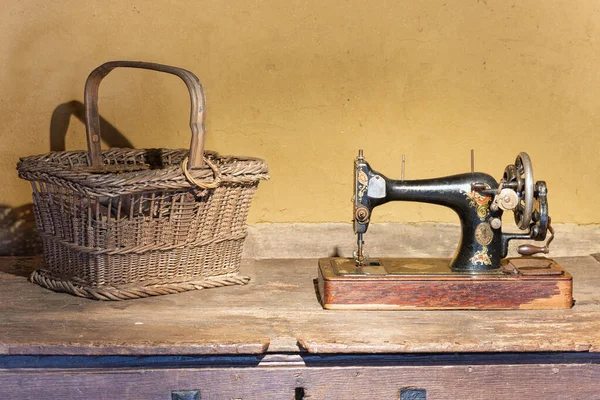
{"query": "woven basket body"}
[(140, 228), (146, 232)]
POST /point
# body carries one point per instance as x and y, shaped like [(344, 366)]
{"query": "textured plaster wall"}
[(304, 84)]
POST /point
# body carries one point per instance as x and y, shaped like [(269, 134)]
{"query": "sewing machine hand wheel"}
[(521, 174)]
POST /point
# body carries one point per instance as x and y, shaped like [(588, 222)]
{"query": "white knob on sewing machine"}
[(508, 199)]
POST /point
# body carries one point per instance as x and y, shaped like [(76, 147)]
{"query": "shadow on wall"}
[(18, 232), (59, 124)]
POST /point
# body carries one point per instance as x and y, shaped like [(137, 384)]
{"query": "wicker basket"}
[(123, 224)]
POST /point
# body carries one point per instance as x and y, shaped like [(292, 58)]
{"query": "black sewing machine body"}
[(479, 200), (482, 244)]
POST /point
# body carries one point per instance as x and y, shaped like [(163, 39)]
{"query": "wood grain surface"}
[(279, 312), (484, 382)]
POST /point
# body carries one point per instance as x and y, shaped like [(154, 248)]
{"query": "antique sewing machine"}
[(478, 276)]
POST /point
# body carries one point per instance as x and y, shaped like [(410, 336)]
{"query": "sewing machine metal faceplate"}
[(479, 276)]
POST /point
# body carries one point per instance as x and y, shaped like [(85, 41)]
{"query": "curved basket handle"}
[(92, 119)]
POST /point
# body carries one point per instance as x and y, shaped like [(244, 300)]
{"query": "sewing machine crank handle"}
[(529, 250), (526, 249)]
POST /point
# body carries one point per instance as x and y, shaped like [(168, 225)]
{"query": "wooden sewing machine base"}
[(429, 284)]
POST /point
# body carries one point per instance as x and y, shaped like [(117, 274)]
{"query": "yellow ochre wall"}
[(304, 84)]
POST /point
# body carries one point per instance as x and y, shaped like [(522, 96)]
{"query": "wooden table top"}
[(278, 312)]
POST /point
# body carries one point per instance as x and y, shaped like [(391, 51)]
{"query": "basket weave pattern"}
[(115, 236)]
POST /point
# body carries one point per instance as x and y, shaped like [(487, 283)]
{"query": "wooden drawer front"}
[(489, 382)]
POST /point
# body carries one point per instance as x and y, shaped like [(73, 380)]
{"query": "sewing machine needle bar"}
[(359, 254)]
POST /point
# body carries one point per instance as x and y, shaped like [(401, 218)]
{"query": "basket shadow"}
[(19, 237), (61, 118), (18, 232)]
